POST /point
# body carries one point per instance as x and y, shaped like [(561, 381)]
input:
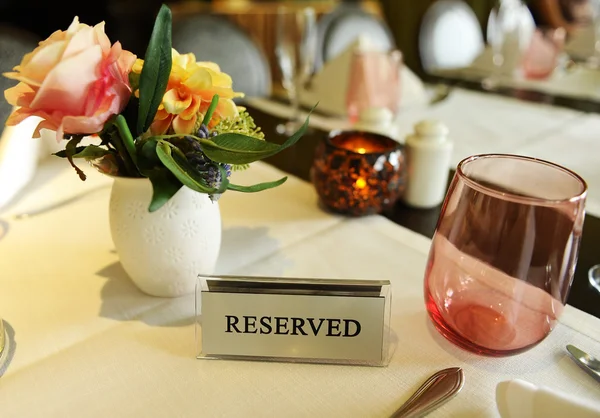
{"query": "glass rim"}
[(520, 198)]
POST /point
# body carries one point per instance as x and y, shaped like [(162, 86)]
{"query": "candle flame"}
[(361, 150), (360, 183)]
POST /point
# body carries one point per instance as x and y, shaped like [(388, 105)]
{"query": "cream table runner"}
[(89, 344)]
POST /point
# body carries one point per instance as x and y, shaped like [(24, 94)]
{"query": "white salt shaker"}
[(379, 120), (428, 153)]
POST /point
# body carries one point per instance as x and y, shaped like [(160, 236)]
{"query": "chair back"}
[(214, 38), (450, 36), (343, 26)]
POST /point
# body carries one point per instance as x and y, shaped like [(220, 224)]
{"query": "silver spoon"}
[(436, 391), (585, 361)]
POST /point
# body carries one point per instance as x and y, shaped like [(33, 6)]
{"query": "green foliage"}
[(243, 124), (211, 109), (156, 70), (176, 162), (241, 149), (257, 187), (164, 187), (91, 152), (70, 150)]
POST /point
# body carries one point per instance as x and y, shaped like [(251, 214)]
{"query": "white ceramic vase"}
[(164, 251)]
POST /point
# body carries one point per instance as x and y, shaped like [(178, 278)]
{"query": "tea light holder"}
[(358, 173)]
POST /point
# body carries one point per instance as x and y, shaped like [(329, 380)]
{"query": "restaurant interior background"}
[(90, 338), (131, 20)]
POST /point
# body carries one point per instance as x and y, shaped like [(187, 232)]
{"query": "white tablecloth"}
[(89, 344), (483, 123), (580, 81)]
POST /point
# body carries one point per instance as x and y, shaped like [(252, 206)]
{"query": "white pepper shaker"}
[(428, 153)]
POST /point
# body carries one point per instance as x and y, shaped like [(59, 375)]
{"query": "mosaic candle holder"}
[(359, 173)]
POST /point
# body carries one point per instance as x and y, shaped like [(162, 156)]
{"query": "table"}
[(89, 344), (578, 81), (491, 124)]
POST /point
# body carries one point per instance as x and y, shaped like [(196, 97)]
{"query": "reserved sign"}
[(295, 319)]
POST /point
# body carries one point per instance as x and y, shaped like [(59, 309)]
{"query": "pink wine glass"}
[(374, 82), (504, 252)]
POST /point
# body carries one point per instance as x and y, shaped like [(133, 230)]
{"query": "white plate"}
[(339, 29)]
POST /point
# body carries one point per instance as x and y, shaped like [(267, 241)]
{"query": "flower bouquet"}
[(154, 125), (168, 117)]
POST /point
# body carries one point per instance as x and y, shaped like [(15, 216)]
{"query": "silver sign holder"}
[(293, 320)]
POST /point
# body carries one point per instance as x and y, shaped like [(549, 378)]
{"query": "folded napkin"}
[(330, 85), (521, 399), (19, 156)]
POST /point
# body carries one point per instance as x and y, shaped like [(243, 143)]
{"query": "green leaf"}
[(126, 137), (233, 148), (164, 187), (211, 109), (257, 187), (70, 150), (63, 153), (91, 152), (148, 157), (224, 180), (156, 70), (185, 173)]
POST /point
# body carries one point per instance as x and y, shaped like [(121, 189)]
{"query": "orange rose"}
[(74, 80), (190, 90)]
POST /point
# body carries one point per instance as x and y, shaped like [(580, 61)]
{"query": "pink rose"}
[(74, 81)]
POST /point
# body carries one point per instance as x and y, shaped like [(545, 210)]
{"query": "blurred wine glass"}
[(594, 60), (374, 82), (295, 49), (510, 29)]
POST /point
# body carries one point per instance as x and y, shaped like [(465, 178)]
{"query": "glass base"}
[(491, 83), (457, 339), (289, 128)]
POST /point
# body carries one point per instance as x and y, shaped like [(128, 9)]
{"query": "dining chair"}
[(450, 36), (338, 29), (214, 38)]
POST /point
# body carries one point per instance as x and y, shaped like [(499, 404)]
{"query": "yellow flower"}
[(190, 90)]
